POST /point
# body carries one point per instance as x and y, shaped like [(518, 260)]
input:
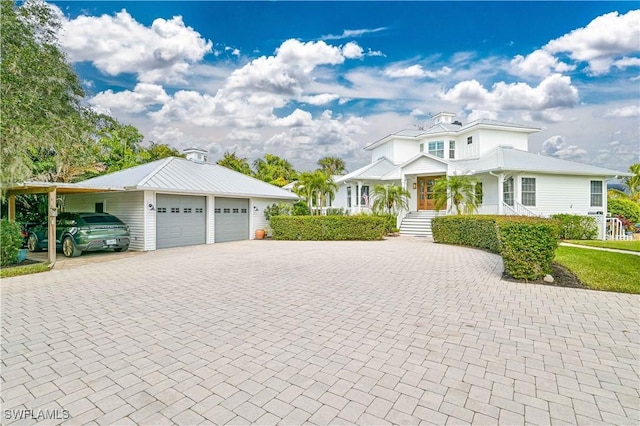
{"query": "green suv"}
[(78, 232)]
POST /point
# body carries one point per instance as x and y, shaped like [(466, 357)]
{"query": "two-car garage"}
[(181, 220)]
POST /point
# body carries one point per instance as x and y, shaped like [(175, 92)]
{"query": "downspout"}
[(605, 208), (500, 191)]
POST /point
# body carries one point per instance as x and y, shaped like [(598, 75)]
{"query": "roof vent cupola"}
[(443, 118), (197, 155)]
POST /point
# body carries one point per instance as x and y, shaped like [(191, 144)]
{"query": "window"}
[(199, 210), (421, 147), (236, 210), (436, 149), (348, 196), (99, 207), (507, 191), (479, 193), (175, 209), (186, 210), (528, 191), (227, 210), (216, 210), (596, 193), (243, 210), (162, 209), (469, 140), (364, 196), (452, 150)]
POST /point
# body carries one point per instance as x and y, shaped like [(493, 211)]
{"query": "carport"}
[(52, 189)]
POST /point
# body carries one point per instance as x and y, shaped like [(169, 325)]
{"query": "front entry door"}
[(426, 194)]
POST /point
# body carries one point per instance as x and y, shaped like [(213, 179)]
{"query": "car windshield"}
[(101, 219)]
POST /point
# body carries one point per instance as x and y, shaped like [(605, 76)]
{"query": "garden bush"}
[(626, 208), (300, 208), (334, 228), (278, 209), (527, 245), (576, 227), (11, 242)]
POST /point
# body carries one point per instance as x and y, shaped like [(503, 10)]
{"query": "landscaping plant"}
[(10, 243), (576, 227)]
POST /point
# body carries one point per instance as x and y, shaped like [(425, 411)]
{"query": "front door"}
[(426, 194)]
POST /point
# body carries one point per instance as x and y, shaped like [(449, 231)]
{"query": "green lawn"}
[(23, 270), (620, 245), (602, 270)]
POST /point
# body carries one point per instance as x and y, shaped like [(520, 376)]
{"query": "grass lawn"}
[(602, 270), (620, 245), (15, 271)]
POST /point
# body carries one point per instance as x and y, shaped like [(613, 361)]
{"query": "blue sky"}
[(308, 79)]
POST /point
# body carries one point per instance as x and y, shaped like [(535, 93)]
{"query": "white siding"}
[(210, 234), (257, 219), (385, 150), (424, 165), (340, 200), (149, 221), (127, 206), (465, 150), (561, 194), (403, 150), (489, 139)]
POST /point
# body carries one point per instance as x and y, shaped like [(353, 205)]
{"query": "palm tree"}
[(315, 185), (390, 198), (633, 182), (332, 165), (460, 190)]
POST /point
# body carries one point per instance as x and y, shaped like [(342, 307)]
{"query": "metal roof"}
[(510, 159), (179, 175), (376, 170)]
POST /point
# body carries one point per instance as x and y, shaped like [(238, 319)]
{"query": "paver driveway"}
[(401, 331)]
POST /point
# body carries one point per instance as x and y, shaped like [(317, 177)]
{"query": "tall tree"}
[(231, 161), (40, 98), (460, 190), (332, 166), (315, 186), (633, 182), (390, 198), (274, 170), (158, 151)]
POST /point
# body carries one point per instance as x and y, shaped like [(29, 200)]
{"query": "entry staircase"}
[(418, 224)]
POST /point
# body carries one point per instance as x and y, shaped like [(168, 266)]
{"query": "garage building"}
[(180, 202)]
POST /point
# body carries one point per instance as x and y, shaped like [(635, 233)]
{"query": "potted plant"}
[(260, 233)]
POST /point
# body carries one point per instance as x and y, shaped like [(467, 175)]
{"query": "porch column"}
[(359, 196), (500, 193), (52, 213), (12, 208), (401, 213)]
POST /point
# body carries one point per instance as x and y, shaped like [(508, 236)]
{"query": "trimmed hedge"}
[(327, 228), (628, 209), (576, 227), (10, 242), (527, 245)]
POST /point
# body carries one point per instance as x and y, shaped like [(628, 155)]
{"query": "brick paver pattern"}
[(401, 331)]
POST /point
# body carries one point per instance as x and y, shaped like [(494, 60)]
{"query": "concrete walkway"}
[(401, 331), (601, 249)]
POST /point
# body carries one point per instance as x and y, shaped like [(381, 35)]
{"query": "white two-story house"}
[(512, 180)]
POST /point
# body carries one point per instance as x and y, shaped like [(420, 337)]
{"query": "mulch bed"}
[(562, 277)]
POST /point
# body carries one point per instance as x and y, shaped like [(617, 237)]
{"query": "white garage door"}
[(231, 219), (180, 220)]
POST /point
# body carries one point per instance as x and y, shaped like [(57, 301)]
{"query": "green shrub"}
[(624, 207), (475, 231), (527, 245), (11, 242), (334, 228), (300, 208), (390, 223), (278, 209), (576, 227), (331, 211)]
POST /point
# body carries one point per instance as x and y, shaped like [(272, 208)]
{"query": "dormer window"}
[(469, 140)]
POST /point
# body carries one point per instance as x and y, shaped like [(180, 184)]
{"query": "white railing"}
[(616, 230), (518, 210)]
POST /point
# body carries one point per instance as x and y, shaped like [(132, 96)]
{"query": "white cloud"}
[(603, 40), (351, 50), (538, 64), (416, 71), (556, 146), (142, 96), (624, 112), (352, 33), (321, 99), (554, 91), (297, 118), (627, 62), (160, 53)]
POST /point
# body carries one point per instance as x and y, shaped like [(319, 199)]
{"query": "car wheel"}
[(69, 248), (32, 243), (119, 249)]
